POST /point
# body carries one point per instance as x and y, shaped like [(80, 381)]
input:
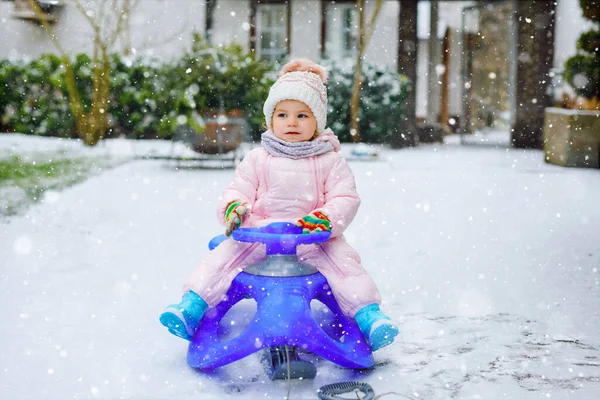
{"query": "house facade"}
[(281, 29)]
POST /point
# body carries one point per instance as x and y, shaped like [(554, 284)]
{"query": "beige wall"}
[(231, 22), (306, 31), (20, 38), (164, 28), (383, 47), (569, 25), (158, 27)]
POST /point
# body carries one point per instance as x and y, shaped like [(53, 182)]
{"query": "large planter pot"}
[(572, 137), (224, 132)]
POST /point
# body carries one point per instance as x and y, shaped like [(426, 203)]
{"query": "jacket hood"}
[(330, 137)]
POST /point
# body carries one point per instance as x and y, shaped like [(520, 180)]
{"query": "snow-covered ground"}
[(486, 257)]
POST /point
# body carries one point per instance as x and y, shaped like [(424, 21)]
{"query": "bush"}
[(38, 105), (147, 97), (583, 74), (226, 77), (143, 99), (582, 71), (9, 96), (589, 42), (382, 105)]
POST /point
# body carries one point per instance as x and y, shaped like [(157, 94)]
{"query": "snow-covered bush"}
[(147, 96), (143, 98), (224, 77), (33, 100), (9, 96), (383, 101)]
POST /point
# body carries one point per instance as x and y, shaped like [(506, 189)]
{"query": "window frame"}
[(342, 50), (257, 7)]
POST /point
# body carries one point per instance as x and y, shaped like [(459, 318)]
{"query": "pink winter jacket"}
[(284, 189)]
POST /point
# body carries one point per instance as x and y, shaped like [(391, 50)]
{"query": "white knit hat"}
[(301, 80)]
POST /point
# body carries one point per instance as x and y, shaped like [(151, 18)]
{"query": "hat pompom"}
[(301, 64)]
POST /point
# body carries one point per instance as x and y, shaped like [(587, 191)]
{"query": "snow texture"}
[(486, 257)]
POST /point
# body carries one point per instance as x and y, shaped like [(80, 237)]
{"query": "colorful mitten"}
[(376, 327), (316, 221), (182, 319), (234, 215)]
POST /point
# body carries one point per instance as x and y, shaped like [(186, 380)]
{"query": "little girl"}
[(297, 175)]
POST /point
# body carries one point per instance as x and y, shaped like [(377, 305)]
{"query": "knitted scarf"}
[(280, 148)]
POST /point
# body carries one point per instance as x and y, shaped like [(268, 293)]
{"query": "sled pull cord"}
[(330, 392)]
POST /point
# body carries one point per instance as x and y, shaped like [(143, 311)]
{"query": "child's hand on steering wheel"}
[(234, 215), (316, 221)]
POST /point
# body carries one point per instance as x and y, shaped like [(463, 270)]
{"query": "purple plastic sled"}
[(283, 315)]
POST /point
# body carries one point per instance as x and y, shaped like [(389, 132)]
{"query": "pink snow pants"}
[(350, 283)]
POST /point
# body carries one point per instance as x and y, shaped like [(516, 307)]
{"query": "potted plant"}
[(221, 93), (572, 136)]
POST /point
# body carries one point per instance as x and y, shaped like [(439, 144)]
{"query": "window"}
[(341, 36), (271, 31)]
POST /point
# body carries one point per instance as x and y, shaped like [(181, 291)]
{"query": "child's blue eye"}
[(302, 116), (281, 115)]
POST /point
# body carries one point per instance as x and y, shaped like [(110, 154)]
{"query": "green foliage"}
[(83, 75), (38, 105), (147, 97), (143, 99), (589, 42), (19, 171), (382, 106), (34, 95), (24, 179), (582, 71), (226, 78), (583, 74), (9, 96)]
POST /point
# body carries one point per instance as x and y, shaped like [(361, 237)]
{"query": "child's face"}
[(293, 121)]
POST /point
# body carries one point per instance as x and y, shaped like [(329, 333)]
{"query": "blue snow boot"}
[(376, 327), (182, 319)]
